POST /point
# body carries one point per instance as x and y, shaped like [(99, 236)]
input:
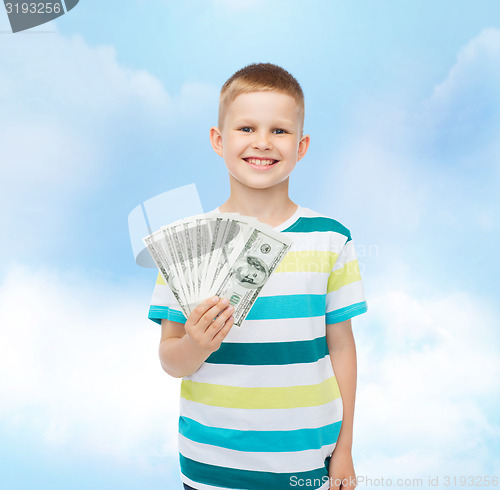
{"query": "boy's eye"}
[(247, 129)]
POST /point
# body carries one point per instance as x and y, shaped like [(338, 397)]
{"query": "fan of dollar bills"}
[(223, 254)]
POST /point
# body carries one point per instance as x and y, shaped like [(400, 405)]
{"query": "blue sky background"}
[(110, 105)]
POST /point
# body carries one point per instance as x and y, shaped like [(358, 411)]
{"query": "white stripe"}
[(322, 241), (163, 296), (264, 376), (301, 282), (263, 419), (278, 330), (287, 462), (345, 296), (202, 486), (347, 255)]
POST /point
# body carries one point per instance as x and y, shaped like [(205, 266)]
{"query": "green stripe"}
[(219, 476), (261, 397), (160, 280), (308, 225), (287, 306), (343, 276), (268, 353), (307, 261), (260, 440)]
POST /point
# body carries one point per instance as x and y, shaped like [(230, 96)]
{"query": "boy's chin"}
[(255, 184)]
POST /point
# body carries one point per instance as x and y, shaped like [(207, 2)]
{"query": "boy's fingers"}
[(210, 316), (221, 334), (219, 322), (201, 309)]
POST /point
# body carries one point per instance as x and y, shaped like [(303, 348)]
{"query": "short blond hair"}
[(260, 77)]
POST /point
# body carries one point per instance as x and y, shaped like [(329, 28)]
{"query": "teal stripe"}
[(308, 225), (260, 440), (345, 313), (264, 308), (219, 476), (269, 353), (287, 306), (157, 313)]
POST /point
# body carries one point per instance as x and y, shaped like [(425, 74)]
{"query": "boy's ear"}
[(216, 140), (303, 146)]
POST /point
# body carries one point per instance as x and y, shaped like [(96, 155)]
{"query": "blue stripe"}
[(287, 306), (319, 223), (264, 308), (157, 313), (220, 476), (276, 307), (260, 440), (345, 313), (270, 353)]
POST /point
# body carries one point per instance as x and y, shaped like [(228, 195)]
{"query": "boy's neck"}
[(267, 205)]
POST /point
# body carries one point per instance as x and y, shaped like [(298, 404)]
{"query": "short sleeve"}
[(163, 304), (345, 296)]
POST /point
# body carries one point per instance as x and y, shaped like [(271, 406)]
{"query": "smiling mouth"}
[(261, 162)]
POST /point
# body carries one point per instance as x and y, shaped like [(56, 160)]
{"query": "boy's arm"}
[(342, 348), (184, 348)]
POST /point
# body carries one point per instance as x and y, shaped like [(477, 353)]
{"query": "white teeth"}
[(256, 161)]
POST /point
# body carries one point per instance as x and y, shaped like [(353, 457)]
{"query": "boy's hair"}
[(260, 77)]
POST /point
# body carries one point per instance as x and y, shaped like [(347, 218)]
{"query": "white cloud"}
[(81, 368), (83, 372), (65, 106), (428, 386), (426, 176), (56, 83), (462, 115), (476, 66), (414, 166), (69, 111)]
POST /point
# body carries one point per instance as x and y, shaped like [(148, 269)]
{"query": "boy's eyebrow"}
[(275, 122)]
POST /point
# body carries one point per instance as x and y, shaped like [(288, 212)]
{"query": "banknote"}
[(249, 272), (224, 254), (155, 245)]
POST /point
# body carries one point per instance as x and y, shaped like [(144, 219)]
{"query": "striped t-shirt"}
[(264, 411)]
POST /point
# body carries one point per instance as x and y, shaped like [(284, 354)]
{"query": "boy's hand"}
[(341, 470), (204, 330)]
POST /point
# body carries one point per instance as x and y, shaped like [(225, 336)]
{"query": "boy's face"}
[(260, 139)]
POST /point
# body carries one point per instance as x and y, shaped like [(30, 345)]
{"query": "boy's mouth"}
[(261, 162)]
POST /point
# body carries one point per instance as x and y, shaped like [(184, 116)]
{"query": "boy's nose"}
[(262, 141)]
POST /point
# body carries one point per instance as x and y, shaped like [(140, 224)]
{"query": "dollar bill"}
[(177, 256), (224, 254), (159, 253), (248, 274)]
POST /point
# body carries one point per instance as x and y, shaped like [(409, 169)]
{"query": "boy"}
[(263, 406)]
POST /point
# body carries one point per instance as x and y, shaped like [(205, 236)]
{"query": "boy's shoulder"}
[(311, 220)]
